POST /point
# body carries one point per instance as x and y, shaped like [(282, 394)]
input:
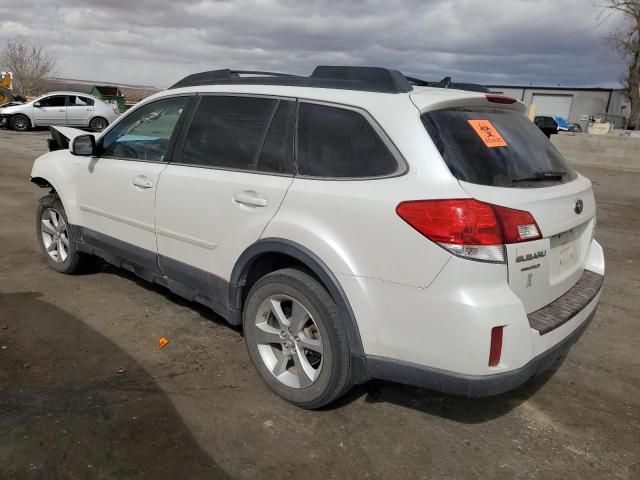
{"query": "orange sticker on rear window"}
[(488, 133)]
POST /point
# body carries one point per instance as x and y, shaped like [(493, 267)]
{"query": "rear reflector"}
[(469, 228), (496, 346), (500, 99)]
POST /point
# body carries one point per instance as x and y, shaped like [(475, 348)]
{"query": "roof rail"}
[(371, 79), (447, 83), (219, 76)]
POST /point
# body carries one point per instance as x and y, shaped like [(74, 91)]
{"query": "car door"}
[(234, 169), (116, 190), (50, 110), (79, 110)]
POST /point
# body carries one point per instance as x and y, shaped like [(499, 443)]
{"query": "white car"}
[(60, 108), (357, 225)]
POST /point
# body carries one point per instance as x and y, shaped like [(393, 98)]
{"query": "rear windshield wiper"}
[(542, 176)]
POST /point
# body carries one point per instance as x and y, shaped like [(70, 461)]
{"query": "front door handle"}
[(249, 198), (142, 182)]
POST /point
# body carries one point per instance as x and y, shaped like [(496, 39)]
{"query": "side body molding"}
[(320, 269)]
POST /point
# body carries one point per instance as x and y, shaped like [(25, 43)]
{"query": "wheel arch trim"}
[(311, 261), (42, 182), (49, 177)]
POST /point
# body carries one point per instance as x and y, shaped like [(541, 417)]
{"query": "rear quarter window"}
[(496, 147), (340, 143)]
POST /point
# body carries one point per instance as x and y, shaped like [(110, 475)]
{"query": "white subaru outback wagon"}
[(356, 222)]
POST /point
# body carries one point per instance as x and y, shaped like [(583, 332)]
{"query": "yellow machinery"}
[(6, 95)]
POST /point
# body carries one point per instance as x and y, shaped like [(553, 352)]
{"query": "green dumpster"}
[(110, 94)]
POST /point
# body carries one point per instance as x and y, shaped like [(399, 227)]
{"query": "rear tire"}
[(98, 124), (296, 339), (20, 123), (57, 238)]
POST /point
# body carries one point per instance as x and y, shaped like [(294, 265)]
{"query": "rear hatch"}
[(500, 157)]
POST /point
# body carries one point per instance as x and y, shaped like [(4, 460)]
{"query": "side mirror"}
[(83, 145), (37, 104)]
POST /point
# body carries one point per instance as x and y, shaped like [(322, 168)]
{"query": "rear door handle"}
[(142, 182), (250, 198)]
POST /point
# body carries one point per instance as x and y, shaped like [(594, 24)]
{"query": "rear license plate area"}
[(565, 253)]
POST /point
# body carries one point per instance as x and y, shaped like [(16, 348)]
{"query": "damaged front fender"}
[(62, 136)]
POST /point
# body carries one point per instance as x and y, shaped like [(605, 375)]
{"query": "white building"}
[(573, 103)]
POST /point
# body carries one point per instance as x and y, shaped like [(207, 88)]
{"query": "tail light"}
[(495, 350), (470, 228)]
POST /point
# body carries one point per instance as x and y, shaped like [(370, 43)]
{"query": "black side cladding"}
[(369, 79)]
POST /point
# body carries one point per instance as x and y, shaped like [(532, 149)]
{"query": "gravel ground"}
[(196, 408)]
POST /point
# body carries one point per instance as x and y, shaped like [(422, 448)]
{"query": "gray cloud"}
[(159, 41)]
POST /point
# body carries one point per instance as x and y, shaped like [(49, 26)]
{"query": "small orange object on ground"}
[(163, 341), (488, 133)]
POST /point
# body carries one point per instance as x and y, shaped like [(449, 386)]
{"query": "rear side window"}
[(497, 148), (78, 101), (241, 133), (340, 143), (276, 155)]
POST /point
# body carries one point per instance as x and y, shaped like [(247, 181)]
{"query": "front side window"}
[(145, 133), (340, 143), (54, 101), (241, 133)]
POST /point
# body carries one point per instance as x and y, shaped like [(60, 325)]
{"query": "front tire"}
[(98, 124), (20, 123), (296, 339), (56, 237)]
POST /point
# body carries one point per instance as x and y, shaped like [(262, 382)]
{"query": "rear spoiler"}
[(62, 136), (447, 83), (426, 102)]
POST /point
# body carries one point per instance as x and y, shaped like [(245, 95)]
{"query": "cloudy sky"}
[(156, 42)]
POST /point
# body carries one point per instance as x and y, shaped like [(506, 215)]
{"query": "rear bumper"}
[(472, 385)]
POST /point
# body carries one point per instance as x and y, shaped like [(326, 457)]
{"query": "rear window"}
[(498, 148)]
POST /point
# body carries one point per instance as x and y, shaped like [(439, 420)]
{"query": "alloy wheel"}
[(289, 341), (99, 125), (20, 123), (55, 235)]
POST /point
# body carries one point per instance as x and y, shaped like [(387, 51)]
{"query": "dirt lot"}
[(196, 409)]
